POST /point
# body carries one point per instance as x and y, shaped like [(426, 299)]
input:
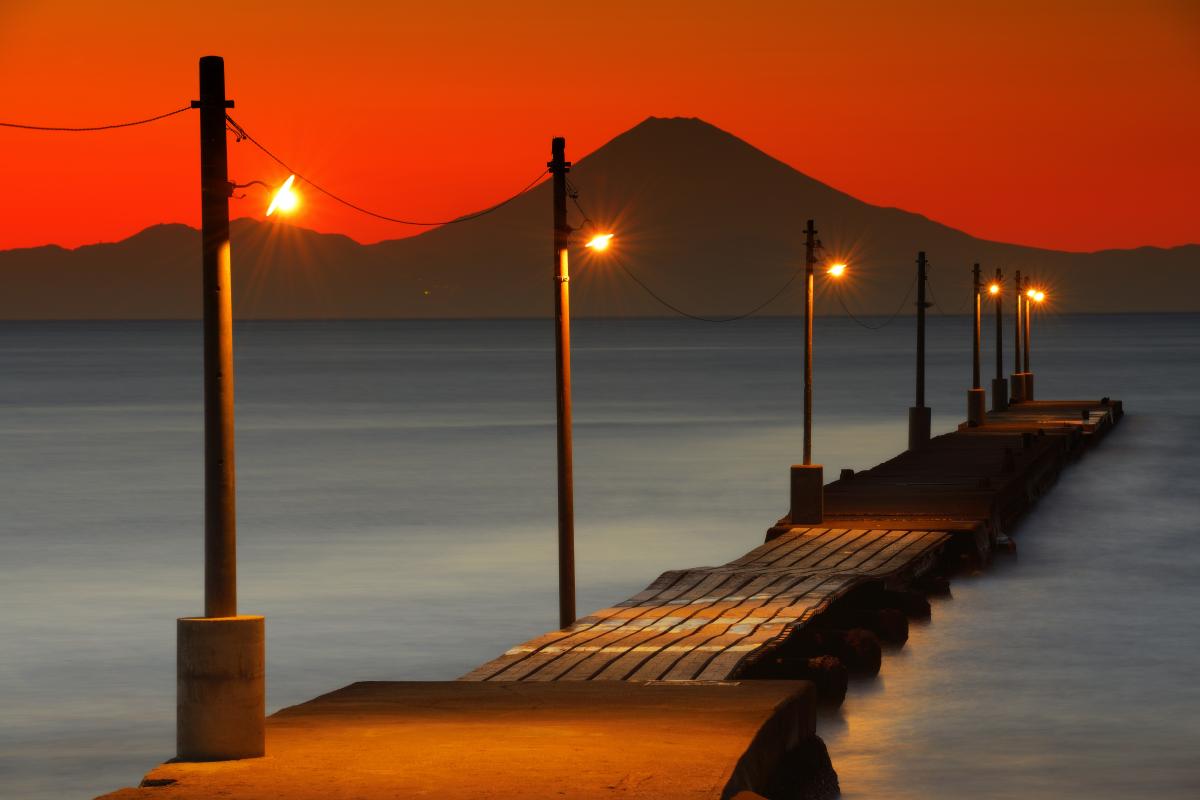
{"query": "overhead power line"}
[(241, 133), (887, 321), (667, 304), (573, 193), (938, 306), (91, 128)]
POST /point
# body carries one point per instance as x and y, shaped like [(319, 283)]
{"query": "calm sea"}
[(396, 498)]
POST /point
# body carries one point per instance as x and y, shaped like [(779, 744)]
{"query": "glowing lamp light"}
[(1039, 296), (599, 241), (285, 200), (1030, 293), (994, 288), (837, 270)]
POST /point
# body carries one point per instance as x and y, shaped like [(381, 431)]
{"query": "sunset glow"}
[(430, 112)]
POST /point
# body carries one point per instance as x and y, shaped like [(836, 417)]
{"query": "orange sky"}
[(1071, 125)]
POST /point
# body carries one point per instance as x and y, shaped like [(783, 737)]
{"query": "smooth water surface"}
[(397, 521)]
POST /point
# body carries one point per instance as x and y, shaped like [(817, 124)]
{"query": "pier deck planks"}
[(708, 623), (703, 623)]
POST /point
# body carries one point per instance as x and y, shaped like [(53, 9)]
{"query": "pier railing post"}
[(976, 396), (999, 383), (559, 167), (808, 479), (220, 710), (919, 416)]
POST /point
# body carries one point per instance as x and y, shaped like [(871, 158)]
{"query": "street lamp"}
[(1033, 297), (976, 396), (283, 199), (808, 479), (1018, 375), (564, 236), (999, 383), (220, 680), (599, 242), (919, 416)]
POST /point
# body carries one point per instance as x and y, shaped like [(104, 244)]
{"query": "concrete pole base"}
[(220, 711), (999, 394), (919, 419), (1028, 385), (808, 494), (976, 406), (1017, 383)]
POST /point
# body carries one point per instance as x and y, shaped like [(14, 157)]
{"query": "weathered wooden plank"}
[(695, 664), (821, 547), (771, 550), (769, 589), (593, 661), (613, 627)]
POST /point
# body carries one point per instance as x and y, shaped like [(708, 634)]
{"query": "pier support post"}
[(999, 394), (1017, 387), (221, 688), (919, 423), (976, 406), (221, 697), (807, 494)]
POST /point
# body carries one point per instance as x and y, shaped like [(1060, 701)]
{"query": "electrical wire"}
[(96, 127), (886, 322), (241, 134), (937, 305), (573, 193), (668, 304)]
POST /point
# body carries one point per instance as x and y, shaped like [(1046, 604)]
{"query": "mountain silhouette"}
[(704, 219)]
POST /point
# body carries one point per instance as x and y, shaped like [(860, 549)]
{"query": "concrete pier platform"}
[(474, 740)]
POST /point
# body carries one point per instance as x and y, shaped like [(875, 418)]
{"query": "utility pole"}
[(559, 167), (975, 379), (976, 396), (999, 384), (810, 264), (1018, 376), (807, 479), (1028, 378), (221, 682), (919, 415), (220, 483)]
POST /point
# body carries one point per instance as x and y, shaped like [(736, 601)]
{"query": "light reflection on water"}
[(396, 491)]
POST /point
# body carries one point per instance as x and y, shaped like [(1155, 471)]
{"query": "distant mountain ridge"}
[(704, 218)]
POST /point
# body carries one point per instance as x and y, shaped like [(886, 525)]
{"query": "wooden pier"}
[(689, 688), (888, 525)]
